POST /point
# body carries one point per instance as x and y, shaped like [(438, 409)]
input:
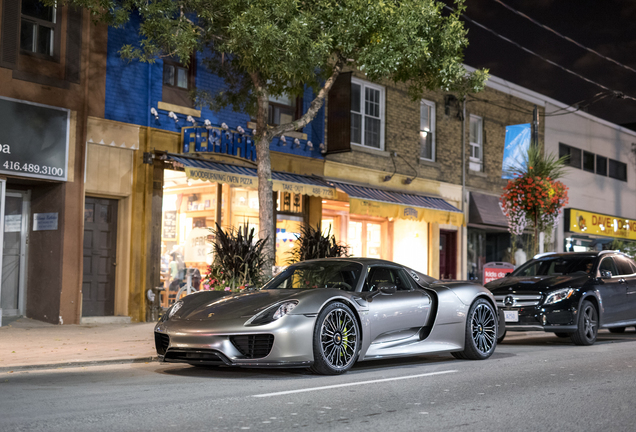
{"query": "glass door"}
[(15, 232)]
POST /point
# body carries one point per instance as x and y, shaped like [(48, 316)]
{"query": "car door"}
[(613, 292), (627, 270), (399, 315)]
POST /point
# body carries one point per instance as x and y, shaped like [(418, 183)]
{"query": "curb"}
[(67, 365)]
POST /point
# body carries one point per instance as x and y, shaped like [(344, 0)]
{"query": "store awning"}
[(377, 202), (485, 210), (198, 169)]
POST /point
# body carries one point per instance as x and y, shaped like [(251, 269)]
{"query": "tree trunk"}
[(264, 169)]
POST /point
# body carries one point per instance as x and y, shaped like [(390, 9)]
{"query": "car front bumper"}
[(553, 318)]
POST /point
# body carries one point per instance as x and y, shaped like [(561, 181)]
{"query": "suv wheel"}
[(587, 328)]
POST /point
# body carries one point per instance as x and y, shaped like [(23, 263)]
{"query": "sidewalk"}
[(31, 344)]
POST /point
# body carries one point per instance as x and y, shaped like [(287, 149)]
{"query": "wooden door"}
[(100, 244), (447, 254)]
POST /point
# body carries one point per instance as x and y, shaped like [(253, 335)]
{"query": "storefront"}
[(35, 155), (488, 237), (396, 226), (590, 231), (198, 193)]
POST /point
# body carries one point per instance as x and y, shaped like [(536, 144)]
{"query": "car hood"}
[(217, 306), (535, 284)]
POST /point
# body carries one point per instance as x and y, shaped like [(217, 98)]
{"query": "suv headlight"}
[(557, 296), (272, 313)]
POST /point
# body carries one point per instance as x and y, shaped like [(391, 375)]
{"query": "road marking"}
[(352, 384)]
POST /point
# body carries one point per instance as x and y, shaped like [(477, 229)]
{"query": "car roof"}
[(359, 260), (580, 254)]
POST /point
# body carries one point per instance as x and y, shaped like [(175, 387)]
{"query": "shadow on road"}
[(604, 337)]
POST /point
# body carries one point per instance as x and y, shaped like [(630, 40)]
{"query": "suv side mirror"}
[(606, 274)]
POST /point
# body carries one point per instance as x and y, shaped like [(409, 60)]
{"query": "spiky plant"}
[(238, 257), (311, 243), (537, 164)]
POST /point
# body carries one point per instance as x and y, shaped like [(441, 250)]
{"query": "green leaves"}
[(311, 243)]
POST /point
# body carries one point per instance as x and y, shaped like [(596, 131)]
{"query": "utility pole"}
[(534, 140)]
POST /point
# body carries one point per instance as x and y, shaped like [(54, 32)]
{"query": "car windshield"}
[(556, 266), (318, 274)]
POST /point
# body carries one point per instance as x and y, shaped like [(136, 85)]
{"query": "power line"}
[(565, 37), (616, 94)]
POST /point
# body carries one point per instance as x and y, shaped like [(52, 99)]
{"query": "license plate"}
[(511, 316)]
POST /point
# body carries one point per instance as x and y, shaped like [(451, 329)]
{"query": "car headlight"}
[(175, 307), (272, 313), (557, 296)]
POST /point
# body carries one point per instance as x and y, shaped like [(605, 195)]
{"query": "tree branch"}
[(315, 105)]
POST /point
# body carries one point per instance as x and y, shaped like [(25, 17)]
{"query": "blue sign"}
[(199, 139), (516, 147)]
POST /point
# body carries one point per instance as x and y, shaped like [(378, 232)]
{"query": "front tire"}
[(480, 333), (501, 337), (587, 328), (336, 340), (617, 330)]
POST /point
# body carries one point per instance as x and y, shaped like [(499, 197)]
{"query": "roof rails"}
[(608, 251), (541, 255)]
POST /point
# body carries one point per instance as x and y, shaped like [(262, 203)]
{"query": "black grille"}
[(195, 356), (162, 341), (253, 346)]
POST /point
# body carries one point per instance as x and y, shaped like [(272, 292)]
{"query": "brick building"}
[(416, 154)]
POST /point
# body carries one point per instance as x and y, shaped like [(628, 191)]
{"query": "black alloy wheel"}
[(336, 340), (617, 330), (587, 328), (481, 332)]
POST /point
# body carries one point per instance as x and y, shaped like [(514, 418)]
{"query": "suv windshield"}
[(318, 274), (556, 266)]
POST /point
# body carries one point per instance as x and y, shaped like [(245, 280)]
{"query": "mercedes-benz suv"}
[(572, 294)]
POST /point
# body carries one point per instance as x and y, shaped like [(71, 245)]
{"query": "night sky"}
[(606, 26)]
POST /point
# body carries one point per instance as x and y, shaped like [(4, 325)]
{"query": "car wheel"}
[(336, 340), (587, 328), (617, 330), (562, 335), (501, 337), (481, 332)]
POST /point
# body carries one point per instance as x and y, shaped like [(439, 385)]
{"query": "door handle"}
[(621, 280)]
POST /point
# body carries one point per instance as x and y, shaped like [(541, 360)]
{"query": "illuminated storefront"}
[(587, 231)]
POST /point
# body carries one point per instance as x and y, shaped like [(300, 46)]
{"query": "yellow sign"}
[(252, 182), (399, 211), (602, 225)]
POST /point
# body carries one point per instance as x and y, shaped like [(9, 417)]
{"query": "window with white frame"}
[(367, 114), (427, 130), (476, 134)]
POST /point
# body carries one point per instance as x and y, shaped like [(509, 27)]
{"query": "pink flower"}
[(227, 288)]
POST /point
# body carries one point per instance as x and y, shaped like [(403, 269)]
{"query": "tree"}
[(264, 48)]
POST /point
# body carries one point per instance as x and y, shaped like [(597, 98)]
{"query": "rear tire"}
[(617, 330), (562, 335), (480, 335), (587, 327), (336, 340)]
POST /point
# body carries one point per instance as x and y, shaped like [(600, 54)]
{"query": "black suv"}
[(571, 294)]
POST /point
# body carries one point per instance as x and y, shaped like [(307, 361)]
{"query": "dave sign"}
[(496, 270)]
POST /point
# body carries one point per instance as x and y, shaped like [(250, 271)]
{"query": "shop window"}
[(588, 161), (287, 231), (617, 170), (601, 165), (289, 202), (178, 82), (38, 28), (476, 133), (367, 114), (573, 155), (365, 239), (427, 130)]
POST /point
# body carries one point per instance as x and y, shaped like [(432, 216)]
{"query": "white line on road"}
[(353, 384)]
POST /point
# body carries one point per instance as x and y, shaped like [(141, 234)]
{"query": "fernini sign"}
[(34, 140)]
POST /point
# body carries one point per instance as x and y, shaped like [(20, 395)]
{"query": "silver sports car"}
[(327, 314)]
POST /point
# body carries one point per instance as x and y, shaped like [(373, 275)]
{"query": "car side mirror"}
[(387, 288), (606, 274)]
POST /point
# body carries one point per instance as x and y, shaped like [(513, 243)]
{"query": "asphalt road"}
[(532, 382)]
